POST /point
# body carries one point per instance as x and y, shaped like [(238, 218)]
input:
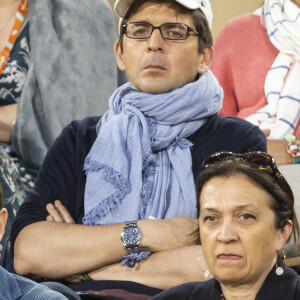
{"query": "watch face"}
[(131, 236)]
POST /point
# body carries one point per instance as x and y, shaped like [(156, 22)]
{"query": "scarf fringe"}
[(135, 257), (149, 166), (151, 128), (183, 143), (105, 206)]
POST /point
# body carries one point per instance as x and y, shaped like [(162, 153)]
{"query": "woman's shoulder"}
[(191, 291), (284, 286)]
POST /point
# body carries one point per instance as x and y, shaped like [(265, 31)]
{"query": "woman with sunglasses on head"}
[(246, 217)]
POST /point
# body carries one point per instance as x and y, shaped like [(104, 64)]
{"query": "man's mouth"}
[(155, 67)]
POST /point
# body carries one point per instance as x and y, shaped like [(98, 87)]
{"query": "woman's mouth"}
[(225, 256)]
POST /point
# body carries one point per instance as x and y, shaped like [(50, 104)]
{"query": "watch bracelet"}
[(293, 148)]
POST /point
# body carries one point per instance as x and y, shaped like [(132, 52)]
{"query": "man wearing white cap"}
[(131, 172)]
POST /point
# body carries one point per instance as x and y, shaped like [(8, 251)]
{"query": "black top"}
[(284, 287)]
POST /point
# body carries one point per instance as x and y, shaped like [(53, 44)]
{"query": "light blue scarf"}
[(140, 165)]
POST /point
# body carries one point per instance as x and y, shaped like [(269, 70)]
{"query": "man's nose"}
[(155, 41), (227, 233)]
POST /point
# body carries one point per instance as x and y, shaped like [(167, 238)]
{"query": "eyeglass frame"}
[(189, 29), (213, 159)]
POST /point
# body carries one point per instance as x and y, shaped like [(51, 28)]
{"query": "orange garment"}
[(20, 16)]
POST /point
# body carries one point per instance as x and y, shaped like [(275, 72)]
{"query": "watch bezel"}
[(137, 239)]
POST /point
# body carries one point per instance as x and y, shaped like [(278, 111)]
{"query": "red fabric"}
[(243, 57)]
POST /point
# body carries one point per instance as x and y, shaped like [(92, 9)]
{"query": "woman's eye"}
[(248, 217)]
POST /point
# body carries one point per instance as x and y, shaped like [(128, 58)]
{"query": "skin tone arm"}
[(277, 148), (8, 114), (161, 270), (60, 248)]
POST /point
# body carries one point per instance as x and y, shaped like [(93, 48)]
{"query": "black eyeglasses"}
[(261, 160), (168, 31)]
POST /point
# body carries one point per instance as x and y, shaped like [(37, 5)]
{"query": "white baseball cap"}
[(121, 7)]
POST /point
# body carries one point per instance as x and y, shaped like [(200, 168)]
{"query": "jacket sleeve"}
[(58, 179), (255, 140)]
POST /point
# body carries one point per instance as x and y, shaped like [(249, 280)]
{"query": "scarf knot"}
[(140, 163)]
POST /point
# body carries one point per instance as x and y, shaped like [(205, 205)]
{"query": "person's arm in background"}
[(8, 114), (278, 149)]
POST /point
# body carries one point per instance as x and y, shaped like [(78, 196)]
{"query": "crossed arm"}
[(59, 248)]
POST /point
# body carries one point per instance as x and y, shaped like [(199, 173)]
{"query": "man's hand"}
[(58, 213), (166, 234), (266, 132)]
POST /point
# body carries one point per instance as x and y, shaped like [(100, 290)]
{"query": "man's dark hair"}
[(282, 202), (205, 38)]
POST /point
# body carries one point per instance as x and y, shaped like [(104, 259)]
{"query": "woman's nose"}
[(227, 233)]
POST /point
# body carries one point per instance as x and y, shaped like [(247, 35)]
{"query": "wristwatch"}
[(131, 237), (293, 148)]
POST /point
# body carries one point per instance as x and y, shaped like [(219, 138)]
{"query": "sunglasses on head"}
[(261, 160)]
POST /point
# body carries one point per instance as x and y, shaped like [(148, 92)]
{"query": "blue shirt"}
[(17, 287)]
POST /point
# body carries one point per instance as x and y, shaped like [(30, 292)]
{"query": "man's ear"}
[(3, 218), (205, 59), (119, 56), (283, 235)]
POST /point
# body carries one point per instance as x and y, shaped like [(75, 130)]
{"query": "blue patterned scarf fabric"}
[(140, 165)]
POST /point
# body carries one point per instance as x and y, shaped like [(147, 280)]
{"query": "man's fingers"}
[(266, 132), (64, 214), (53, 213), (49, 219)]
